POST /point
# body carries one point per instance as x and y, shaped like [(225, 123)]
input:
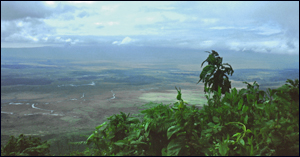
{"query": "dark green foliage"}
[(215, 73), (108, 139), (25, 146)]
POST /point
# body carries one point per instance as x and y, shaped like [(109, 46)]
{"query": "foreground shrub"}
[(25, 146), (233, 125)]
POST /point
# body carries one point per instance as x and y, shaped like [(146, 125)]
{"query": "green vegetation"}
[(236, 122), (215, 73), (23, 146)]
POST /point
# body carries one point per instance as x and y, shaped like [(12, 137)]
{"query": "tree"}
[(215, 73)]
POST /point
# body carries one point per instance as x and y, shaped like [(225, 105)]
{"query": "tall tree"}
[(215, 73)]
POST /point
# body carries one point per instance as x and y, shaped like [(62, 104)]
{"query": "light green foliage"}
[(180, 100)]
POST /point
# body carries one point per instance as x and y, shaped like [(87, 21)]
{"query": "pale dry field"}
[(62, 112)]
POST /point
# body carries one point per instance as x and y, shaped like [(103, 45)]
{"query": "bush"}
[(234, 125), (25, 146)]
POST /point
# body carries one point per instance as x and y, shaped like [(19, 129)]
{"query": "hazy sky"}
[(270, 27)]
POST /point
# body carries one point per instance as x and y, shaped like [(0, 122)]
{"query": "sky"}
[(264, 27)]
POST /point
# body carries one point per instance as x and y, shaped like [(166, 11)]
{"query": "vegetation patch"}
[(191, 97), (70, 119)]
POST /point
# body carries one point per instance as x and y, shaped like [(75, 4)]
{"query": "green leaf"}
[(91, 136), (146, 126), (248, 131), (181, 133), (242, 141), (133, 120), (178, 97), (210, 124), (240, 104), (234, 91), (251, 150), (138, 133), (215, 53), (235, 148), (208, 130), (215, 119), (246, 119), (245, 108), (120, 142), (269, 140), (219, 60), (174, 147), (207, 70), (211, 59), (137, 142), (179, 93), (203, 62), (180, 104), (172, 130), (223, 148), (260, 106), (227, 104), (236, 134), (208, 135), (99, 126), (164, 152), (244, 128), (249, 140), (290, 128), (175, 108)]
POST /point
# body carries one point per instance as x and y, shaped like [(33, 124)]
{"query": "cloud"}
[(67, 17), (286, 14), (221, 27), (25, 30), (206, 44), (83, 14), (99, 26), (267, 27), (125, 41), (265, 46), (110, 23), (208, 21), (109, 8), (12, 10), (88, 2)]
